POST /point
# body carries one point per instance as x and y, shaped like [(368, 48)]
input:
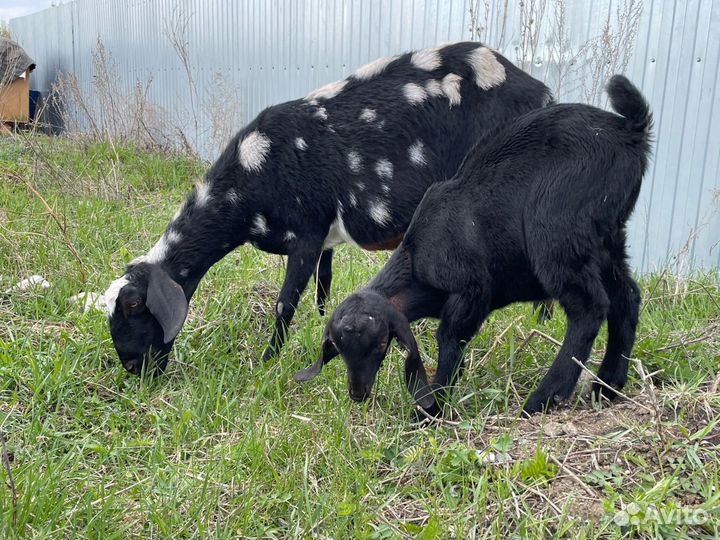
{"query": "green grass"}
[(226, 446)]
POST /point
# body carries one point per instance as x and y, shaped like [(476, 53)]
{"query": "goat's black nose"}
[(134, 365)]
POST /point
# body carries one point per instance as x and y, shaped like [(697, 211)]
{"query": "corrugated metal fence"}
[(269, 51)]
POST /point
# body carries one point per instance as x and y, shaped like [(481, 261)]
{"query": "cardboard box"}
[(15, 100)]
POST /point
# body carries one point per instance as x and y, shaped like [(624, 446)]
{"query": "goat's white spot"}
[(379, 212), (416, 153), (385, 188), (185, 272), (427, 59), (202, 193), (384, 169), (173, 237), (232, 196), (353, 199), (300, 143), (280, 308), (112, 293), (489, 72), (369, 115), (321, 113), (433, 88), (380, 124), (414, 93), (368, 71), (297, 199), (338, 234), (354, 161), (360, 186), (259, 226), (289, 236), (253, 151), (451, 88), (328, 91), (158, 252)]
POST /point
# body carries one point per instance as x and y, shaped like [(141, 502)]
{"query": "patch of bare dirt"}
[(620, 444)]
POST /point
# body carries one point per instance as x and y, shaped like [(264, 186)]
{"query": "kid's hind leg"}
[(583, 297), (622, 320)]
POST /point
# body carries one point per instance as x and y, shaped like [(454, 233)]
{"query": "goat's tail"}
[(627, 101)]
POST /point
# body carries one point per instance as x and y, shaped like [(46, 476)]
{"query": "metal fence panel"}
[(269, 51)]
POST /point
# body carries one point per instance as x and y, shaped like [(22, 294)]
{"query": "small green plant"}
[(537, 469)]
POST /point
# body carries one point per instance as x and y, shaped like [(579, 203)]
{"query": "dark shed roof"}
[(14, 61)]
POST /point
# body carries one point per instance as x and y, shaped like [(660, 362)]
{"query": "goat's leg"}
[(323, 279), (622, 320), (461, 317), (300, 267), (586, 304)]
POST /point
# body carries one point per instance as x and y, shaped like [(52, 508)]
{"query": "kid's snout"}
[(359, 392)]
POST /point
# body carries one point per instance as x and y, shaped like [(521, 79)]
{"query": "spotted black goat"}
[(538, 211), (348, 163)]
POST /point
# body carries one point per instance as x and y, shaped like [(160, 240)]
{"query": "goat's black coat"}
[(536, 211), (290, 205)]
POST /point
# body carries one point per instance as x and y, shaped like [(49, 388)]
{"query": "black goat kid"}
[(348, 163), (538, 212)]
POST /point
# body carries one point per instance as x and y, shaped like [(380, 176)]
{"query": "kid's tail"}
[(627, 101)]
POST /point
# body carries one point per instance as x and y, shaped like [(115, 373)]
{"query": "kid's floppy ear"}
[(327, 353), (166, 301), (415, 375)]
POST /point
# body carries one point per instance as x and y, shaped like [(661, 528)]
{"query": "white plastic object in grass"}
[(33, 282)]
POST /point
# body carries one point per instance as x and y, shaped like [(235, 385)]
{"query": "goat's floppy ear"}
[(415, 375), (166, 301), (328, 352)]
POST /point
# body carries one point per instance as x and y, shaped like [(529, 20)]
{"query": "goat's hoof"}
[(538, 403), (269, 354)]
